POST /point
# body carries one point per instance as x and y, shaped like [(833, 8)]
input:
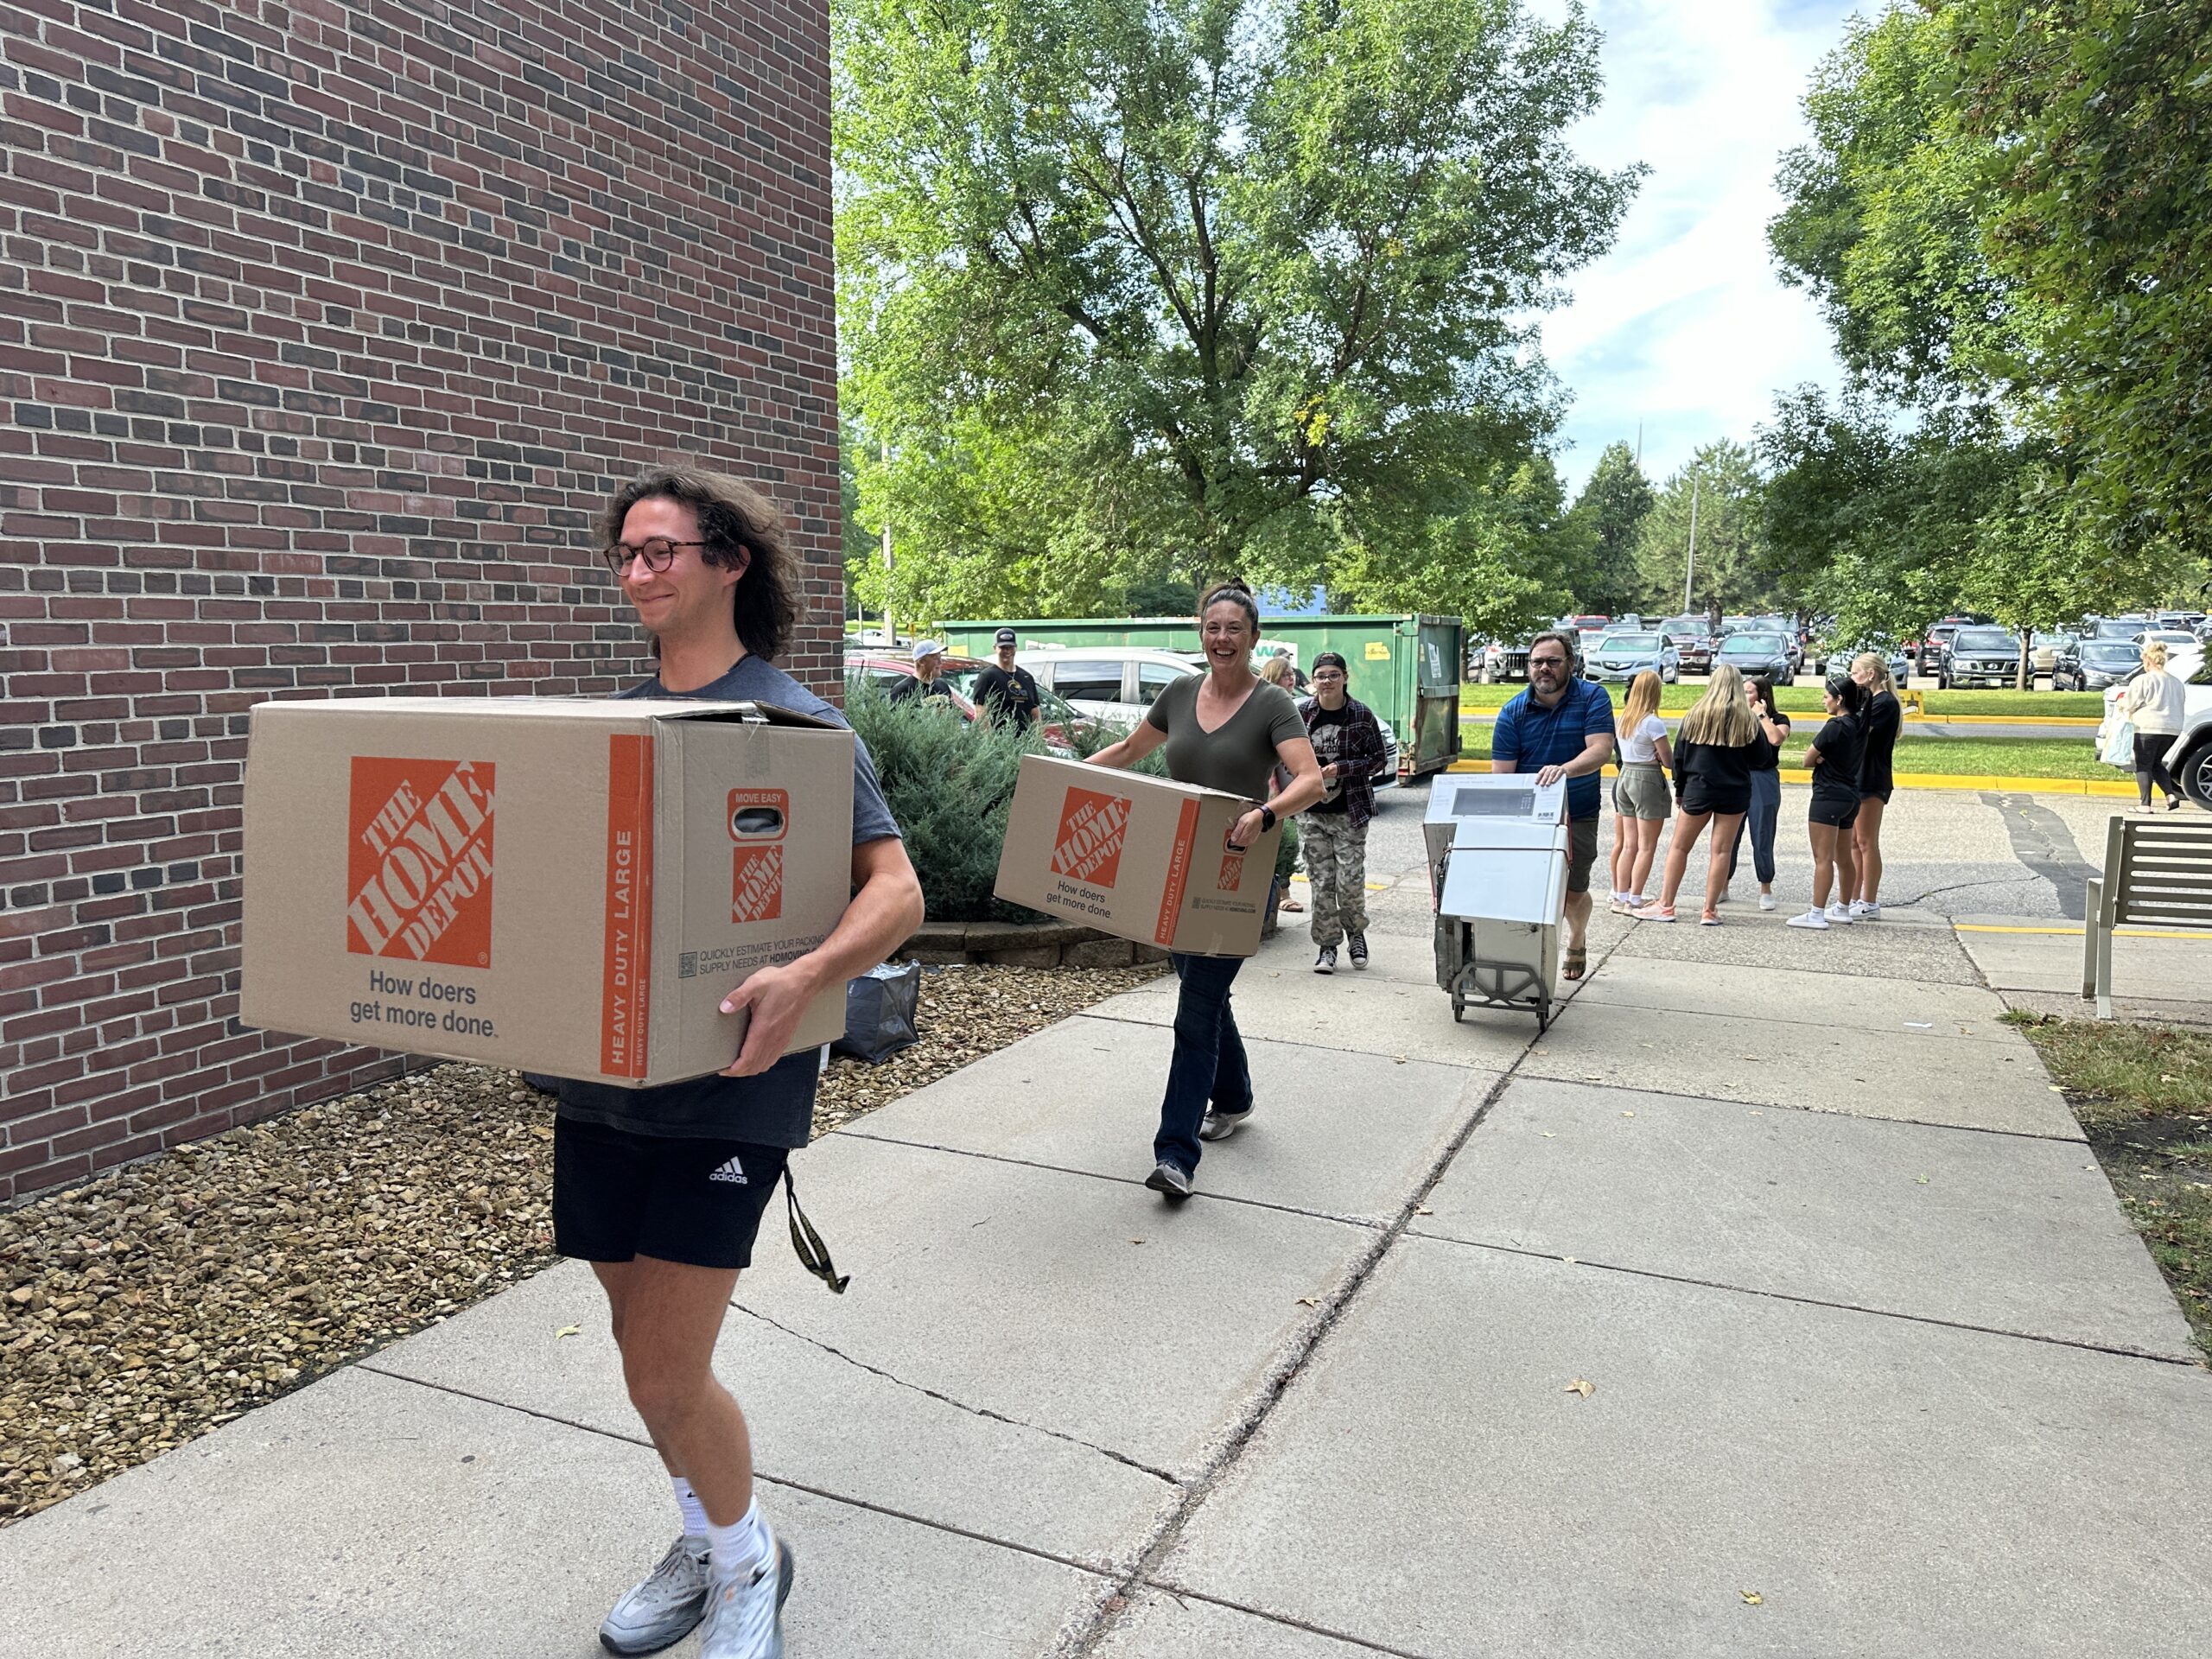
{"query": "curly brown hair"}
[(740, 526)]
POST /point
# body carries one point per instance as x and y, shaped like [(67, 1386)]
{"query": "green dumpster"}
[(1406, 669)]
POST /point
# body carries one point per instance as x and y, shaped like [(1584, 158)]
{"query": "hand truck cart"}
[(1497, 875)]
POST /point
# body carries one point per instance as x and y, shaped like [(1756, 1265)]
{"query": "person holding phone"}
[(1766, 793), (1833, 755)]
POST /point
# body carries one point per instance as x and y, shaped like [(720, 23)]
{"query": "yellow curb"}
[(2075, 932), (2117, 788), (2003, 720)]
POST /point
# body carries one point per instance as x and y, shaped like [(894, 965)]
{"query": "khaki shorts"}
[(1581, 853), (1641, 791)]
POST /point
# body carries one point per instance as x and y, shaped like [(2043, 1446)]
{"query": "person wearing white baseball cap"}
[(928, 665)]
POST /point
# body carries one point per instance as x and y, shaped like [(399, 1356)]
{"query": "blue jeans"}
[(1209, 1062), (1766, 807)]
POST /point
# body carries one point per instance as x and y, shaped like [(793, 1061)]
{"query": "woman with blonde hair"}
[(2153, 704), (1880, 719), (1713, 750), (1640, 798)]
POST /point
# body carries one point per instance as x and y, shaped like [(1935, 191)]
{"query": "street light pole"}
[(1688, 575), (890, 633)]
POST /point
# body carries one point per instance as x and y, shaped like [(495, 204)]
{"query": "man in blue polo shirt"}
[(1562, 726)]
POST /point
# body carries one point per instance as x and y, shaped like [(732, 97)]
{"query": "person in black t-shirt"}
[(1834, 756), (928, 666), (1883, 719), (1348, 742), (1005, 693)]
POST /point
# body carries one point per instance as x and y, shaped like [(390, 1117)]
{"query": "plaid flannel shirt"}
[(1361, 752)]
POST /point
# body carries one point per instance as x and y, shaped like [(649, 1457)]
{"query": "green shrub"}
[(1287, 854), (949, 784)]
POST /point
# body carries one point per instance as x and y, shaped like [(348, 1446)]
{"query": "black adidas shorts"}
[(617, 1195)]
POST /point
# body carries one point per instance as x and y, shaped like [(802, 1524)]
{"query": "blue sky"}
[(1684, 327)]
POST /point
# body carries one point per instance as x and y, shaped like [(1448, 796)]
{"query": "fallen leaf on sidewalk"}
[(1628, 1114), (1923, 1180), (1424, 1211), (1397, 1059), (1582, 1385), (1752, 1598), (568, 1331), (1551, 1135), (1309, 1301), (1568, 1260), (1136, 1240)]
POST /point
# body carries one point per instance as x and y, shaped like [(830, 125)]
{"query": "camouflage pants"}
[(1335, 863)]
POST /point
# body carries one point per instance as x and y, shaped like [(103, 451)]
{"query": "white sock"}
[(686, 1503), (741, 1546)]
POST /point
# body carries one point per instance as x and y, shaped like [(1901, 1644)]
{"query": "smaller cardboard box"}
[(565, 886), (1136, 857)]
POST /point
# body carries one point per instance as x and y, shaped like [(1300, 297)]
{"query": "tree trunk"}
[(2026, 680)]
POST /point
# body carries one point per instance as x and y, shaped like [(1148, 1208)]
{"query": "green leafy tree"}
[(1731, 572), (1612, 507), (1171, 288)]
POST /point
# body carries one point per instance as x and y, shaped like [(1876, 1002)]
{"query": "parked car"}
[(1988, 656), (1936, 645), (1759, 656), (2093, 664), (1058, 721), (1692, 637), (1587, 632), (2119, 627), (2045, 646), (1620, 656), (1503, 660), (1838, 658)]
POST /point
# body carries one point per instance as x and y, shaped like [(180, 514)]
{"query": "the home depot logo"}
[(1092, 828), (418, 860), (757, 820), (1232, 873)]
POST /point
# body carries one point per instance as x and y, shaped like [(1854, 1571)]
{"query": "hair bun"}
[(1230, 585)]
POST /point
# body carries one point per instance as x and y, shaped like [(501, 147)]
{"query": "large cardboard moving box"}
[(569, 886), (1135, 857)]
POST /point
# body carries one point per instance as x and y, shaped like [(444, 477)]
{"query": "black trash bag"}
[(880, 1012)]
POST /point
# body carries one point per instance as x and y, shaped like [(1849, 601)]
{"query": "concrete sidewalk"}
[(1877, 1366)]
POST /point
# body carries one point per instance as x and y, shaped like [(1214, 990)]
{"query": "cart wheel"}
[(1543, 1019)]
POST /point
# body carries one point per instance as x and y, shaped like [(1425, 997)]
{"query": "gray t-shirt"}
[(775, 1109), (1237, 756)]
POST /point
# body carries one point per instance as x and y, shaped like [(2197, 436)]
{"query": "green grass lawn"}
[(2143, 1094), (1804, 697), (2000, 757)]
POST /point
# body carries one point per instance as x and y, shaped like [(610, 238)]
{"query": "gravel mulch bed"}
[(142, 1309)]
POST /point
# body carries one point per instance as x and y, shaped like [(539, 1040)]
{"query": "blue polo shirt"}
[(1533, 737)]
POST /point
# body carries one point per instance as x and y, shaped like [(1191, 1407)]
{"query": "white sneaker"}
[(1865, 912), (661, 1609), (1766, 901), (745, 1614), (1810, 919), (1838, 913)]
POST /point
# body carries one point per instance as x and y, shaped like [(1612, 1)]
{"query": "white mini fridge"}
[(1497, 874)]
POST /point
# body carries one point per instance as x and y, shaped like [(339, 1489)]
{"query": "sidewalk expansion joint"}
[(1486, 1063), (1366, 1222), (1083, 1640), (1367, 1644), (957, 1405), (2078, 1142), (1090, 1568), (2120, 1351)]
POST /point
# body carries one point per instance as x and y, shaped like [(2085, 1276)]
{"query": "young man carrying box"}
[(662, 1190)]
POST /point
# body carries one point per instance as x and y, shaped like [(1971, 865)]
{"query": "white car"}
[(1117, 684)]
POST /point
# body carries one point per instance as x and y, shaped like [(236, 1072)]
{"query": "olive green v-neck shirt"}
[(1238, 756)]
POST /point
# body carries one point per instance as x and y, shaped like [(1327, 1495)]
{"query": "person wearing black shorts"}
[(1834, 756), (1713, 749), (662, 1190), (1881, 718)]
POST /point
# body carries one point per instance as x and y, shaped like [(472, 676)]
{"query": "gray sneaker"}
[(1326, 962), (1358, 945), (661, 1609), (1169, 1180), (1219, 1126), (745, 1615)]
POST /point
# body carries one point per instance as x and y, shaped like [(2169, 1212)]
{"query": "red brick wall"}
[(324, 328)]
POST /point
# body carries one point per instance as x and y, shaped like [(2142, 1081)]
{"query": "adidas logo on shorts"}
[(731, 1171)]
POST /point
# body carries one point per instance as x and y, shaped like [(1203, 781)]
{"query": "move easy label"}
[(623, 1000), (418, 860)]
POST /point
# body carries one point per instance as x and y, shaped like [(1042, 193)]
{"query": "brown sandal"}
[(1578, 960)]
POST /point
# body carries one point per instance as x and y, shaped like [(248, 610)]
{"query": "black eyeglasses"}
[(658, 551)]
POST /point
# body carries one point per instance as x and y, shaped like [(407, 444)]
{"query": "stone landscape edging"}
[(1024, 944)]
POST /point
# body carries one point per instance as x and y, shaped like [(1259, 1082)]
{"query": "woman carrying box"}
[(1224, 729)]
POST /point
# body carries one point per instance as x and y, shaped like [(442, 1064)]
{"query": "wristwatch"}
[(1266, 817)]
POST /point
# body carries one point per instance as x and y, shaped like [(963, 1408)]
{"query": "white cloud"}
[(1685, 327)]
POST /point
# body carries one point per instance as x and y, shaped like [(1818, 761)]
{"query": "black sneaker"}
[(1169, 1181), (1326, 962), (1359, 943)]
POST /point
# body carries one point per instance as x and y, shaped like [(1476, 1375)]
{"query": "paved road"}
[(1873, 1362)]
